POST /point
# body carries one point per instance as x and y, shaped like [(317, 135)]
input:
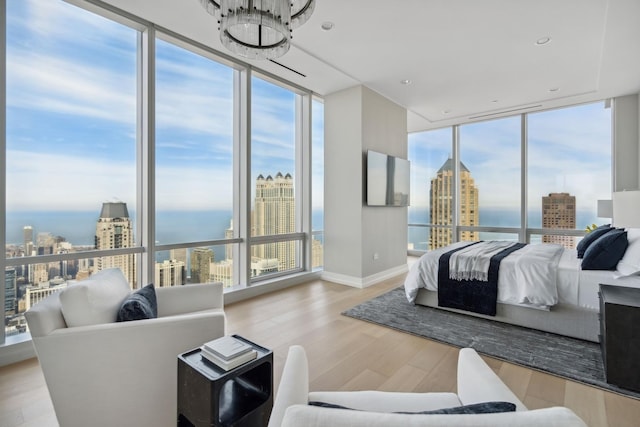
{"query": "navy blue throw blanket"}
[(471, 295)]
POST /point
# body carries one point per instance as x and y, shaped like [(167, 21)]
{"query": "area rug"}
[(566, 357)]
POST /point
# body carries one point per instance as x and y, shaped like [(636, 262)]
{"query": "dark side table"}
[(620, 335), (212, 397)]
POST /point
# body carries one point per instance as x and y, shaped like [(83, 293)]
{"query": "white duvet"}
[(526, 276)]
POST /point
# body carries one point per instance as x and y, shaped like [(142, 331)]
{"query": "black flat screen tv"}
[(387, 180)]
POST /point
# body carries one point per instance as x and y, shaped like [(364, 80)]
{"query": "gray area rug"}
[(566, 357)]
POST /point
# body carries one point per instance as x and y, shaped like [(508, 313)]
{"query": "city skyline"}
[(273, 213)]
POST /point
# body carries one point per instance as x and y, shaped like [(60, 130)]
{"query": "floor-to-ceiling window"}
[(126, 147), (317, 180), (564, 158), (490, 179), (70, 148), (569, 169), (194, 186), (430, 214), (273, 177)]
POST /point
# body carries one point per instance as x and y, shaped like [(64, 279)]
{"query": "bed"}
[(558, 296)]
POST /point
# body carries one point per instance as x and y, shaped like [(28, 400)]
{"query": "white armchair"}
[(123, 373), (477, 383)]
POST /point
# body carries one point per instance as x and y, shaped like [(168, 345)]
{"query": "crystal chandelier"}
[(258, 29)]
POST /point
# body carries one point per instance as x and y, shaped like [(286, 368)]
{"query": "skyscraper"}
[(170, 272), (274, 213), (559, 211), (441, 205), (27, 233), (114, 230), (10, 291), (201, 259), (179, 255)]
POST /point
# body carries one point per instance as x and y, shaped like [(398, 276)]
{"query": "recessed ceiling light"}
[(543, 40), (554, 89), (327, 25), (405, 82), (446, 111), (495, 101)]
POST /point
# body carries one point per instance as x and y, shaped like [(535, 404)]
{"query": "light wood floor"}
[(345, 354)]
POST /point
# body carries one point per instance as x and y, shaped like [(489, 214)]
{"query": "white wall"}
[(356, 120), (384, 129), (343, 183), (626, 133)]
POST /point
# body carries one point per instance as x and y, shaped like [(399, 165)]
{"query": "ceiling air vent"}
[(288, 68)]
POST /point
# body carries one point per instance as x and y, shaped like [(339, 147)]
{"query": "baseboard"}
[(269, 286), (364, 282), (16, 352)]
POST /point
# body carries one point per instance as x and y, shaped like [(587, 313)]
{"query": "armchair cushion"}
[(95, 300), (140, 305), (310, 416)]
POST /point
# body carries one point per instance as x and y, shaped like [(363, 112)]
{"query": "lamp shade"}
[(626, 209), (605, 208)]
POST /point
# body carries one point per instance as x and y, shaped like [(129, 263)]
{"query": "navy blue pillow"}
[(141, 304), (606, 251), (476, 408), (592, 237)]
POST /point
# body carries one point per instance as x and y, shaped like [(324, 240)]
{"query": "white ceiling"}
[(467, 59)]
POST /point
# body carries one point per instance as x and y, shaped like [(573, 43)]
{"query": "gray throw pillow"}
[(139, 305)]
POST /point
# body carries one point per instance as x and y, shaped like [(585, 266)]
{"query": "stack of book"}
[(228, 352)]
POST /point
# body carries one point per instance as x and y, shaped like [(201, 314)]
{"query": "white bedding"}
[(549, 275), (526, 276), (580, 287)]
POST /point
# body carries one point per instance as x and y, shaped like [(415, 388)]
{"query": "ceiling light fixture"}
[(542, 41), (327, 25), (258, 29), (405, 82)]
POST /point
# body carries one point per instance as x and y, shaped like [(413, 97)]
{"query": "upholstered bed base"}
[(563, 319)]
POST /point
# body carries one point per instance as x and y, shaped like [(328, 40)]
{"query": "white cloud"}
[(46, 83), (194, 188), (38, 181), (66, 182), (62, 22)]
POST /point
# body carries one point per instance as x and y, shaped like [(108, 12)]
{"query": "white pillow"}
[(630, 262), (95, 300)]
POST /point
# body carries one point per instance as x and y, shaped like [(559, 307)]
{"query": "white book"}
[(227, 347), (227, 365)]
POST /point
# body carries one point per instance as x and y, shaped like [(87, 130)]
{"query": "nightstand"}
[(620, 335)]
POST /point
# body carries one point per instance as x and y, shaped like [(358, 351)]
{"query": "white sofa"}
[(476, 383), (120, 373)]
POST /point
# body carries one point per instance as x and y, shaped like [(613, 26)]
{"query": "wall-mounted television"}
[(387, 180)]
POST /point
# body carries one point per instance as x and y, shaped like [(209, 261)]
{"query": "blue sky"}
[(71, 116), (71, 126)]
